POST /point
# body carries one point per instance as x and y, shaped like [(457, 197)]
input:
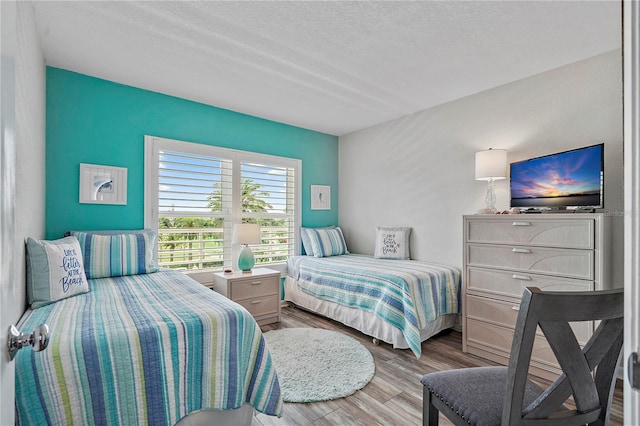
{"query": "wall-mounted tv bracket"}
[(633, 367), (38, 340)]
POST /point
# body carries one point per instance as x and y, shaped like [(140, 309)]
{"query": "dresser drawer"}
[(578, 233), (505, 314), (512, 284), (564, 262), (490, 310), (254, 287), (498, 339), (258, 306)]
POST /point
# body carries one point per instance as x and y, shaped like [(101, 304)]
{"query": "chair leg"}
[(430, 413)]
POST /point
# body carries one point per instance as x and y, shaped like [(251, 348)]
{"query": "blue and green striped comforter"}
[(405, 293), (143, 349)]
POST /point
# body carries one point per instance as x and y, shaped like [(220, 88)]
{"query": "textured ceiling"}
[(334, 67)]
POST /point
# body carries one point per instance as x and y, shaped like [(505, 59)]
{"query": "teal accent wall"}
[(95, 121)]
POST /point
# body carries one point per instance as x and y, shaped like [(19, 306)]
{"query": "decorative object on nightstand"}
[(491, 165), (245, 234), (258, 291)]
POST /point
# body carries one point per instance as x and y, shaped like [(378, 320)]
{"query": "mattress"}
[(143, 349)]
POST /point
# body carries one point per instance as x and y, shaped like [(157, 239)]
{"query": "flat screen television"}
[(569, 179)]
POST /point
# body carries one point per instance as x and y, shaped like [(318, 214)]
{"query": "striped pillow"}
[(327, 241), (114, 255), (306, 241), (306, 238)]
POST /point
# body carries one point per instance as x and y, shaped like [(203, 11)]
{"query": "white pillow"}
[(392, 243)]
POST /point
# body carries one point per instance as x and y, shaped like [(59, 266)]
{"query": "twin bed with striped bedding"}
[(380, 297), (143, 349), (147, 348)]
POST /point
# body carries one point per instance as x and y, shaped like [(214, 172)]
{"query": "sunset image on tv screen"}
[(573, 177)]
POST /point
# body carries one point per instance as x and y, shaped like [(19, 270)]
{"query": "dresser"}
[(258, 291), (503, 254)]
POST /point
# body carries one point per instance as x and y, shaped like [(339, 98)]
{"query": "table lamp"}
[(491, 165)]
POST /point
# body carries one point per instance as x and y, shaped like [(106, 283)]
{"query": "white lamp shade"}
[(491, 164), (246, 233)]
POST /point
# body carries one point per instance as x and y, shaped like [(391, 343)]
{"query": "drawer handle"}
[(520, 250), (256, 282), (521, 277), (521, 223), (515, 308), (255, 302)]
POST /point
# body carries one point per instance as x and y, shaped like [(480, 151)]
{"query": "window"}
[(194, 193)]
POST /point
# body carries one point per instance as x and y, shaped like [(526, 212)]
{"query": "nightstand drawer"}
[(512, 284), (255, 287), (578, 233), (564, 262), (258, 306)]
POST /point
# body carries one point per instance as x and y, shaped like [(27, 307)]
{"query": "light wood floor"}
[(394, 395)]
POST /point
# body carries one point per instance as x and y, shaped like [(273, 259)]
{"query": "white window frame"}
[(152, 147)]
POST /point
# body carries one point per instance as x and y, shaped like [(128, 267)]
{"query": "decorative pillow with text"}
[(392, 243), (55, 270)]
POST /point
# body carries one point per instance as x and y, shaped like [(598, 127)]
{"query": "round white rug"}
[(318, 365)]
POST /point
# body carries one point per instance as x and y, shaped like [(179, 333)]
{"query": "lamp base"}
[(246, 259), (490, 198)]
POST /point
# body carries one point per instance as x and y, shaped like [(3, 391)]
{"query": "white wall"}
[(418, 170)]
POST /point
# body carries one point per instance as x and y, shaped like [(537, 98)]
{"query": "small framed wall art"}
[(320, 197), (103, 184)]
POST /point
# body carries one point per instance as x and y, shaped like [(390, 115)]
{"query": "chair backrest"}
[(592, 393)]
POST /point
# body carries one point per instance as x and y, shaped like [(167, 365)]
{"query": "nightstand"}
[(258, 291)]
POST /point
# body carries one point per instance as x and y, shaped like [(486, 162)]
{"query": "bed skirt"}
[(242, 416)]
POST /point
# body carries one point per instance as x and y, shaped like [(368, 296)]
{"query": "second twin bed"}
[(401, 302)]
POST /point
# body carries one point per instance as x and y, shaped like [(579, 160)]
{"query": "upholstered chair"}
[(581, 395)]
